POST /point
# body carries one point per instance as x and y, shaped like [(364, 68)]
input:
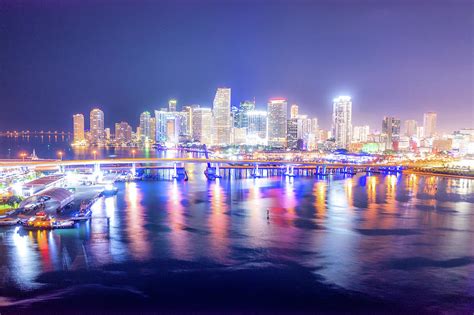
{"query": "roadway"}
[(140, 160)]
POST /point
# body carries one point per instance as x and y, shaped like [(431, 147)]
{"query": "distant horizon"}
[(321, 122)]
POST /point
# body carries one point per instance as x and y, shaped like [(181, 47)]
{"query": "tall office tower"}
[(361, 133), (420, 132), (181, 122), (172, 105), (153, 129), (391, 128), (97, 126), (145, 126), (307, 130), (123, 133), (241, 114), (292, 133), (107, 133), (257, 129), (78, 122), (294, 111), (172, 130), (188, 110), (410, 127), (429, 124), (277, 122), (222, 119), (202, 125), (315, 125), (342, 121), (161, 119)]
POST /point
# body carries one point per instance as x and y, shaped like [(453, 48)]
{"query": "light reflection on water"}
[(381, 235)]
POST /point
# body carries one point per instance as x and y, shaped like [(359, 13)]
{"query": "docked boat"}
[(64, 224), (84, 214), (9, 221), (109, 190), (41, 221)]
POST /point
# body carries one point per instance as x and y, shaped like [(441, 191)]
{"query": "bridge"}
[(215, 167)]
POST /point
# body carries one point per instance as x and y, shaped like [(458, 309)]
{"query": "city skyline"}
[(416, 63)]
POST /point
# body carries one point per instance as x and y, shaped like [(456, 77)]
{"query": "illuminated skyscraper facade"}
[(202, 125), (240, 114), (257, 127), (429, 124), (277, 122), (172, 104), (294, 111), (145, 126), (78, 122), (391, 129), (342, 121), (361, 133), (97, 126), (123, 133), (410, 127), (222, 118)]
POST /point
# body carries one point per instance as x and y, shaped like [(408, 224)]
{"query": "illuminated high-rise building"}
[(277, 122), (429, 124), (153, 129), (391, 129), (257, 127), (361, 133), (294, 111), (172, 103), (145, 134), (342, 121), (161, 120), (188, 111), (240, 114), (123, 133), (202, 125), (78, 122), (97, 126), (292, 133), (410, 127), (222, 118)]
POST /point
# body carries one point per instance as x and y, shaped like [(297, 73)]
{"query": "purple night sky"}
[(393, 57)]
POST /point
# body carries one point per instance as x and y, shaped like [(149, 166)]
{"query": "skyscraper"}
[(292, 132), (410, 127), (202, 124), (240, 114), (342, 121), (78, 122), (145, 126), (391, 128), (172, 105), (188, 110), (257, 128), (361, 133), (97, 126), (123, 133), (294, 111), (222, 118), (429, 124), (161, 119), (153, 129), (277, 122)]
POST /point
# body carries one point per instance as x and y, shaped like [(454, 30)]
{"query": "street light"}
[(23, 155), (60, 153), (133, 153), (95, 154)]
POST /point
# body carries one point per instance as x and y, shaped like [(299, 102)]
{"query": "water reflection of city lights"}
[(139, 247)]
